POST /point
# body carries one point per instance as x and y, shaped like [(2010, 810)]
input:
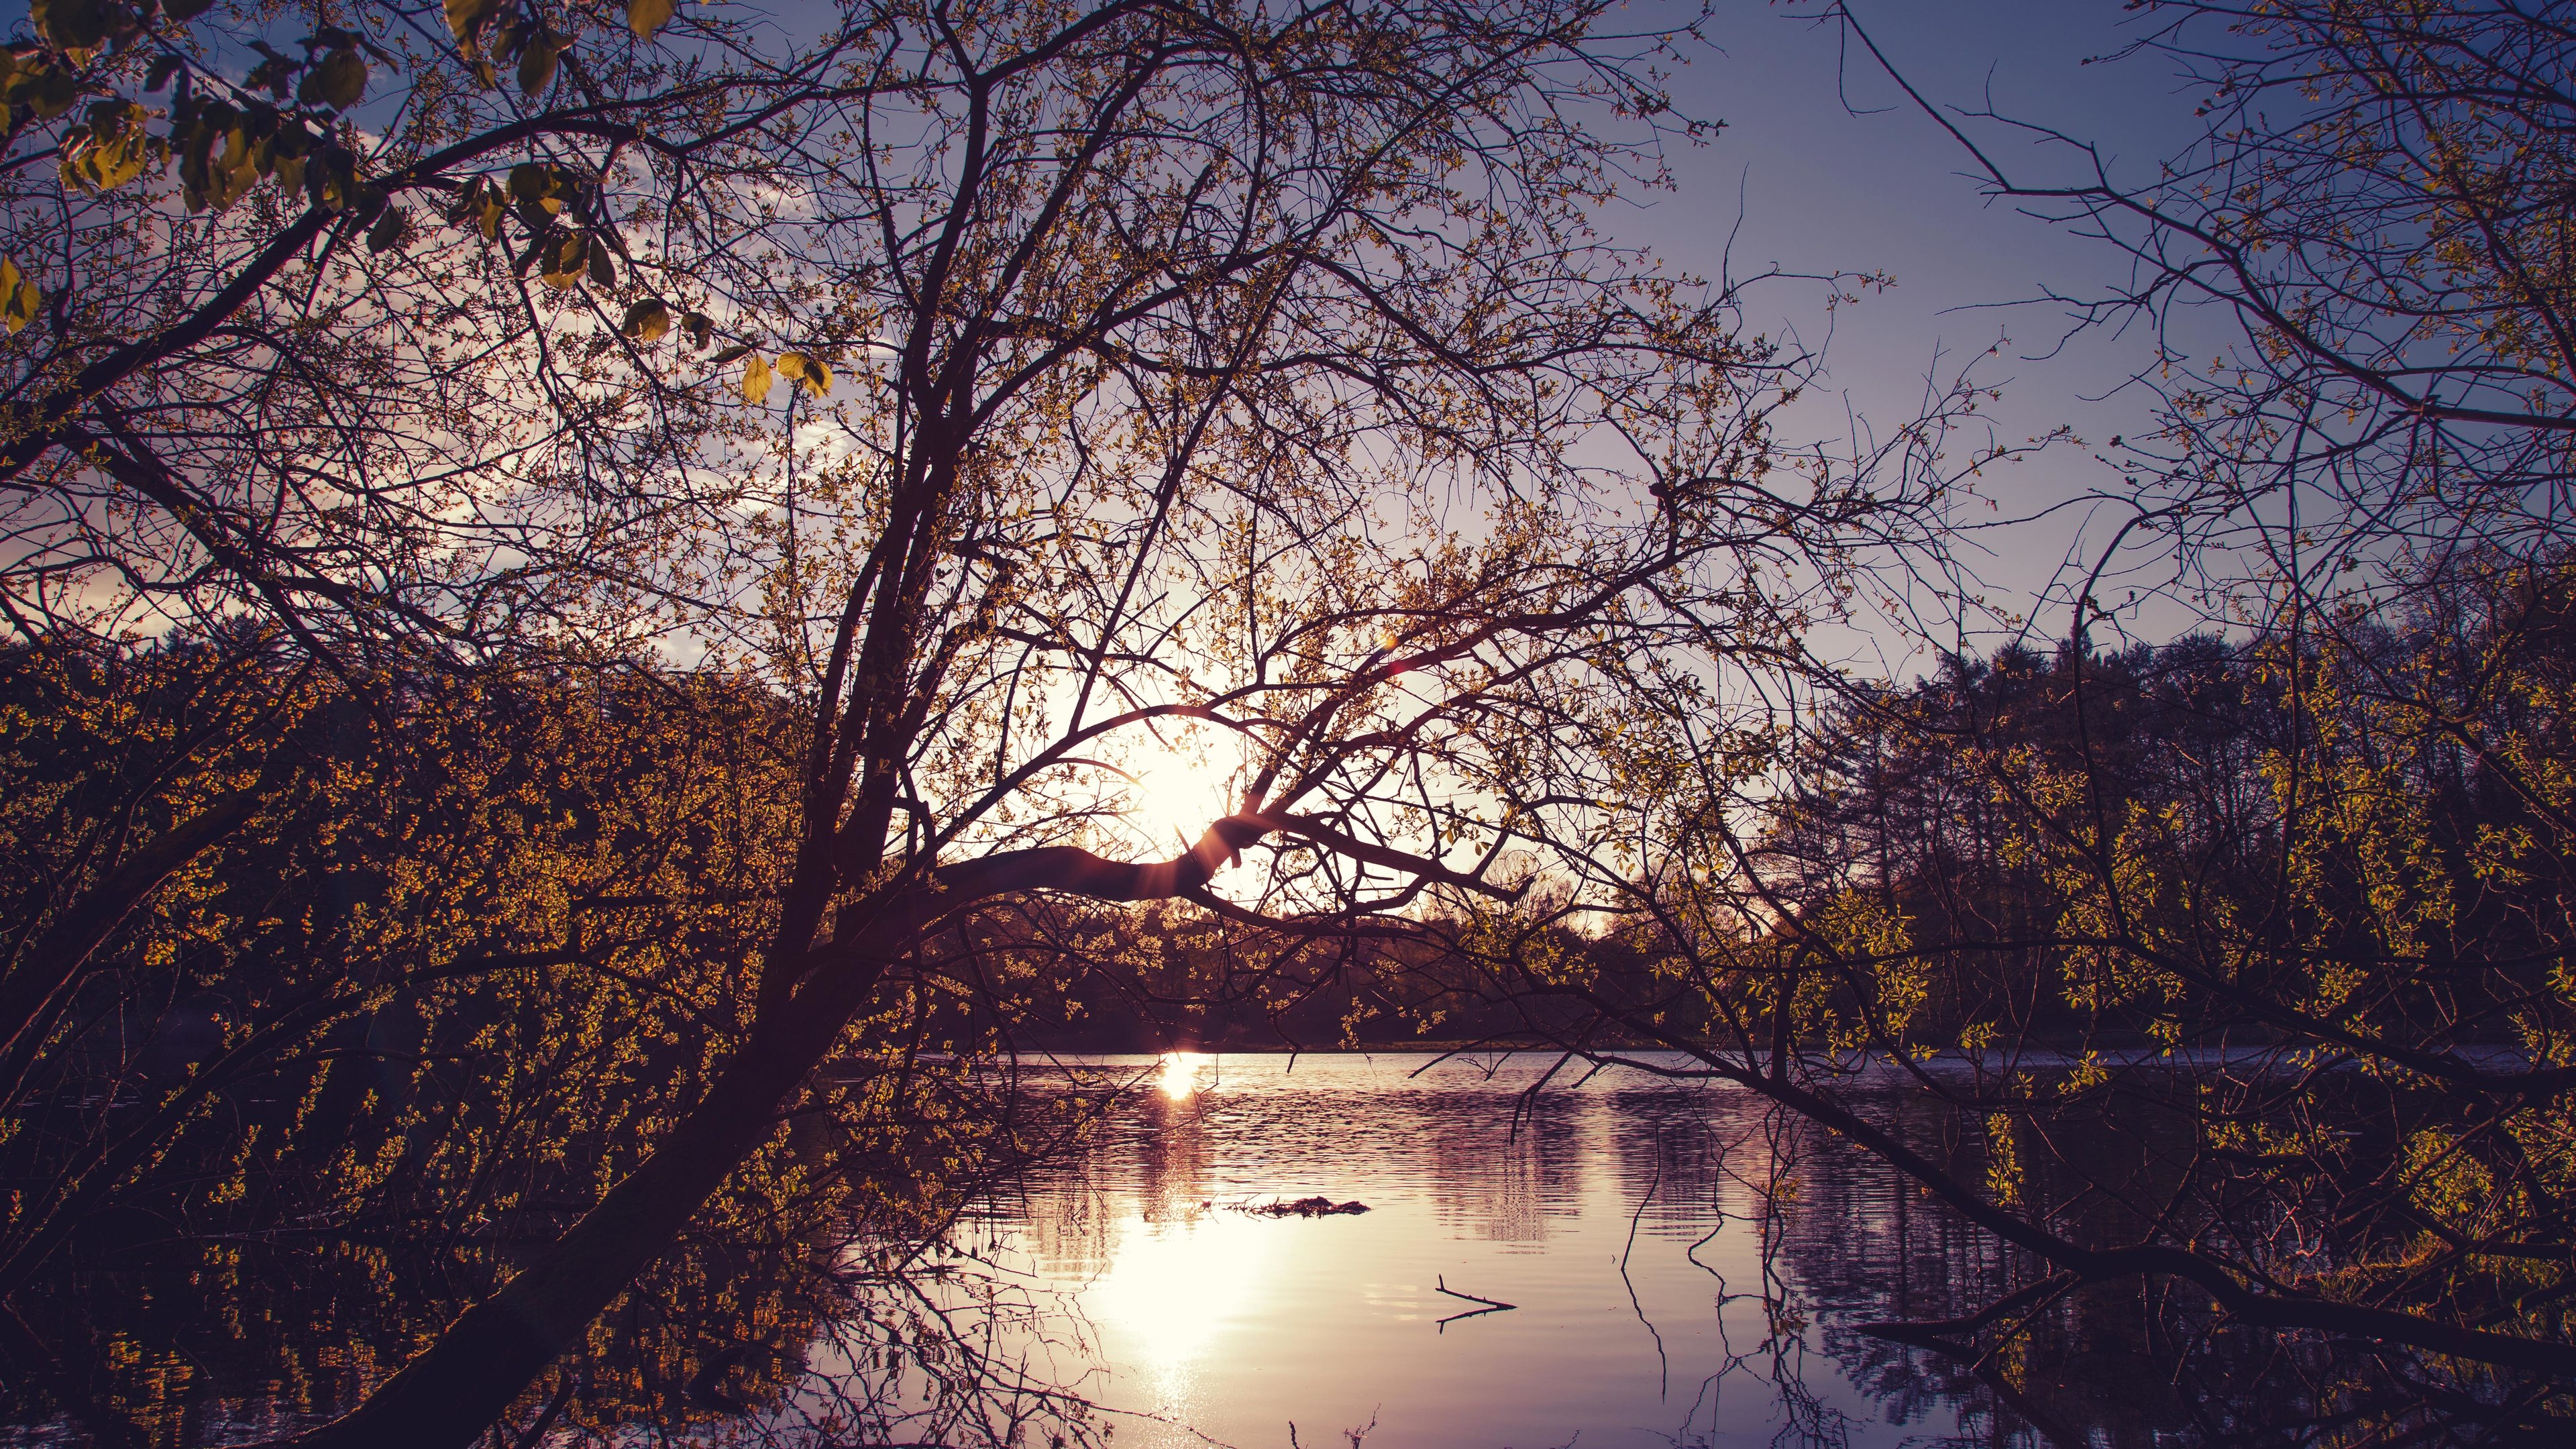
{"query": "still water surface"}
[(1683, 1268), (1624, 1217)]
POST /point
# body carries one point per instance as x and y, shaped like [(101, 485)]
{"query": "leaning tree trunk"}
[(490, 1354)]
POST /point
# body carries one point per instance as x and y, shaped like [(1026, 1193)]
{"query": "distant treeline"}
[(1945, 809)]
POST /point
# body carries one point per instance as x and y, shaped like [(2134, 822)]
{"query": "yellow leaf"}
[(647, 16), (19, 299), (467, 16), (647, 320), (563, 263), (756, 378), (811, 373)]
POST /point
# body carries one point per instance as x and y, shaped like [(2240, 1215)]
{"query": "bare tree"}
[(2356, 285)]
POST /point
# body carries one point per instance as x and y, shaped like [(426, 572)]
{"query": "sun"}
[(1176, 793), (1177, 1075)]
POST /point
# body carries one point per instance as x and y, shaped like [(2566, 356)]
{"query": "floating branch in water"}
[(1304, 1207), (1492, 1305)]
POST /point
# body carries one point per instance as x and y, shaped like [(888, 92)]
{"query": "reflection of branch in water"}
[(2035, 1298), (1663, 1365), (1357, 1436), (28, 1357), (1721, 1153), (1492, 1305), (1525, 1102), (535, 1433), (2049, 1427), (1168, 1422)]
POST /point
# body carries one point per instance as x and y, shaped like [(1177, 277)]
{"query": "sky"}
[(1823, 164)]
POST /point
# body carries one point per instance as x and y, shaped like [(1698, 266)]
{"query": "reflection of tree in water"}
[(855, 1317), (730, 1342), (839, 1299), (2118, 1366), (1498, 1173), (1847, 1244)]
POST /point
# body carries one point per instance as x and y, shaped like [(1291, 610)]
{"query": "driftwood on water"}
[(1304, 1207)]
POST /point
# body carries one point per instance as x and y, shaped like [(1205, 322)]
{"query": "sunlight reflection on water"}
[(1177, 1075), (1174, 1289), (1204, 1321)]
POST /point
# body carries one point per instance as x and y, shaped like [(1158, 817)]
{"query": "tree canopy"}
[(596, 594)]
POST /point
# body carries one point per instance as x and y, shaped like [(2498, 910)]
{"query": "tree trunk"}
[(488, 1356)]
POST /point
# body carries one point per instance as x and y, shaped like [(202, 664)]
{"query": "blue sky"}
[(1830, 167)]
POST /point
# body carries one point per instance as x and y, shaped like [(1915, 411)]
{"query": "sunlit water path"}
[(1190, 1319)]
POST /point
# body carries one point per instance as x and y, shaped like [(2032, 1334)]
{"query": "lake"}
[(1682, 1267)]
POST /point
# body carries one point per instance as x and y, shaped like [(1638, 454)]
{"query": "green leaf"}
[(337, 81), (602, 270), (467, 17), (43, 87), (332, 178), (159, 75), (531, 181), (479, 205), (110, 151), (698, 328), (224, 179), (186, 9), (647, 321), (647, 16), (275, 75), (563, 262)]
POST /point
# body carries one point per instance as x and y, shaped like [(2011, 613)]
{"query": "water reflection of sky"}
[(1196, 1320)]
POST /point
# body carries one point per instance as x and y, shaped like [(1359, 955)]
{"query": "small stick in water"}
[(1492, 1305)]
